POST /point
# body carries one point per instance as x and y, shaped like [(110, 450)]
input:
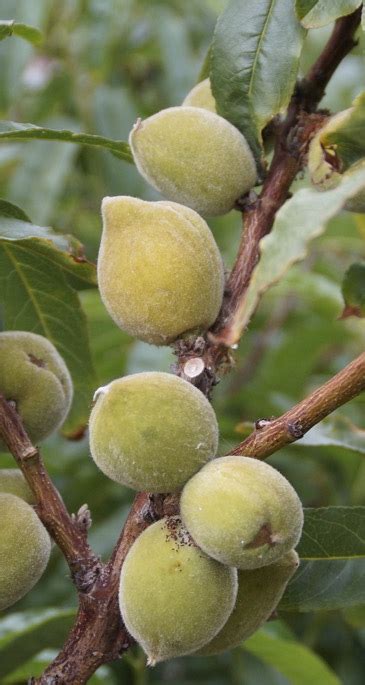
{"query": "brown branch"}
[(98, 635), (290, 149), (259, 216), (69, 533), (292, 425)]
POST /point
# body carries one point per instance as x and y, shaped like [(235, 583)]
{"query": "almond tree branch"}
[(69, 533), (292, 425), (292, 138), (98, 635)]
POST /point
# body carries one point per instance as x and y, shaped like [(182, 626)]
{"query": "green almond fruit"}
[(13, 482), (173, 598), (24, 549), (195, 157), (34, 376), (201, 96), (242, 512), (152, 431), (259, 593), (160, 272)]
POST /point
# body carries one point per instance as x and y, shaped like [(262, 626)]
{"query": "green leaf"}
[(332, 566), (300, 220), (80, 273), (22, 635), (10, 210), (29, 33), (317, 13), (363, 18), (334, 533), (10, 130), (353, 291), (295, 661), (35, 667), (205, 67), (37, 296), (348, 139), (252, 76), (336, 431)]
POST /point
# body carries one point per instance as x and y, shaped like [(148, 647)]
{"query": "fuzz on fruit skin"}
[(194, 157), (35, 377), (242, 512), (160, 272), (24, 549), (173, 598), (259, 592), (326, 169), (12, 481), (152, 431), (201, 96)]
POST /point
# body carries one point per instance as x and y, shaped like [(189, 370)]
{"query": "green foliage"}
[(332, 553), (23, 633), (252, 77), (99, 67), (353, 290), (349, 137), (13, 130), (289, 657), (316, 13), (13, 28)]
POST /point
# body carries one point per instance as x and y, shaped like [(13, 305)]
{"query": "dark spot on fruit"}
[(263, 537), (36, 361)]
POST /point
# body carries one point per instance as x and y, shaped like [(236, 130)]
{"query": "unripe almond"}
[(34, 376), (159, 269), (173, 598), (13, 482), (242, 512), (24, 549), (194, 157), (152, 431), (259, 593), (201, 96)]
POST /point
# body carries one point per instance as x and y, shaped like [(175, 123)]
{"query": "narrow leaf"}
[(10, 130), (332, 561), (8, 209), (317, 13), (326, 585), (29, 33), (300, 220), (79, 272), (22, 635), (37, 297), (348, 139), (353, 291), (295, 661), (252, 76), (336, 431), (333, 532)]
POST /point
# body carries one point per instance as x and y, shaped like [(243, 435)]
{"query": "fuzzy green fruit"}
[(259, 593), (195, 157), (242, 512), (12, 481), (326, 168), (173, 598), (201, 96), (152, 431), (35, 377), (24, 549), (159, 269)]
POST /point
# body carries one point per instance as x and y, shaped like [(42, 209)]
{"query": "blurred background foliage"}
[(102, 64)]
